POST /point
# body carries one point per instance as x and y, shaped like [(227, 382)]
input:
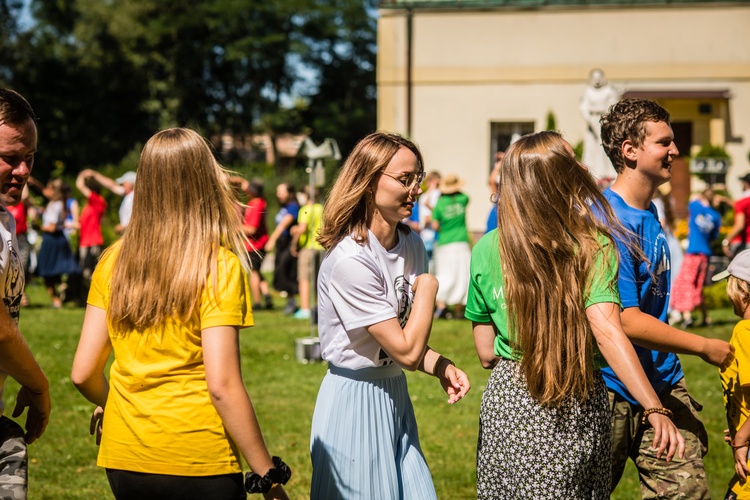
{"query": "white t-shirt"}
[(54, 213), (126, 209), (11, 277), (429, 198), (359, 286)]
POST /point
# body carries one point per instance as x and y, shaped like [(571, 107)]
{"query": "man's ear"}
[(629, 151)]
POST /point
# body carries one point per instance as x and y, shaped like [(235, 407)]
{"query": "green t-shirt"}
[(450, 212), (486, 301)]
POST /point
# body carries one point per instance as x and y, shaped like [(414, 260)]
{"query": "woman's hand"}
[(454, 381), (666, 437), (276, 493), (95, 427)]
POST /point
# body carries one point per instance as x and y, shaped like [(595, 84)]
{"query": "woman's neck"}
[(383, 231)]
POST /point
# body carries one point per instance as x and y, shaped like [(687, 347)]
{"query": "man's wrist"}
[(442, 365), (40, 387)]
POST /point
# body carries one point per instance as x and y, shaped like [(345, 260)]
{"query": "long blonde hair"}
[(549, 242), (184, 211), (346, 212)]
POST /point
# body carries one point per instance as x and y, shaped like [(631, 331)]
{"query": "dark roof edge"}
[(547, 4)]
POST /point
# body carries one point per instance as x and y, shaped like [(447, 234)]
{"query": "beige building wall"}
[(472, 68)]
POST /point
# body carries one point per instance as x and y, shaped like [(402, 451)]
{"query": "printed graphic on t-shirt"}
[(454, 211), (405, 298), (705, 223), (732, 410), (13, 283), (498, 295), (403, 292), (659, 288), (384, 358)]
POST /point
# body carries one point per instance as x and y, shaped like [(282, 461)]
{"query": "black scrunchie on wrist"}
[(280, 474)]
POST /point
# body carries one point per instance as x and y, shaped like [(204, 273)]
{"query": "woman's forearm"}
[(407, 346), (238, 416), (620, 354), (95, 389), (227, 391)]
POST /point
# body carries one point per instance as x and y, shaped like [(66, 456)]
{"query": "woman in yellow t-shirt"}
[(169, 299)]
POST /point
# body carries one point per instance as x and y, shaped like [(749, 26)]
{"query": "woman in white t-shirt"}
[(375, 314), (55, 256)]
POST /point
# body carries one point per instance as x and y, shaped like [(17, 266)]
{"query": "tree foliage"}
[(103, 75), (343, 106)]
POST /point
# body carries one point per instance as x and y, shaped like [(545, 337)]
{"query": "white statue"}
[(597, 98)]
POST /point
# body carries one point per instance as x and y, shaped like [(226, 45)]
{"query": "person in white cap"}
[(122, 186), (734, 376)]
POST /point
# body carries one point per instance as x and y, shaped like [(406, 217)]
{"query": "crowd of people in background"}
[(61, 242)]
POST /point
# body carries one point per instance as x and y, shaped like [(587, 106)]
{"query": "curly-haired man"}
[(638, 139)]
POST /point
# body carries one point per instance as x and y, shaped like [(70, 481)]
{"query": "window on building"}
[(503, 134)]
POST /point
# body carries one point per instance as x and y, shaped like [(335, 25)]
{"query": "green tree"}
[(104, 76), (551, 121), (343, 105), (88, 104)]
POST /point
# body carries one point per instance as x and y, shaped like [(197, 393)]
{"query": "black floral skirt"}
[(527, 451)]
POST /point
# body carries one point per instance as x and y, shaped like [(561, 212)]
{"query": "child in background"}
[(735, 378)]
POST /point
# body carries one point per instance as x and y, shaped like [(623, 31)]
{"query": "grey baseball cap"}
[(126, 177), (739, 268)]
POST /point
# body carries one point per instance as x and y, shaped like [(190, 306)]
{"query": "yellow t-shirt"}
[(735, 381), (159, 417), (310, 215)]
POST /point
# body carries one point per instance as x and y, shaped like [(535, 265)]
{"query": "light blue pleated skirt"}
[(364, 442)]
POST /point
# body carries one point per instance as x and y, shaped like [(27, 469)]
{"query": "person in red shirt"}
[(738, 238), (20, 213), (254, 225), (91, 242)]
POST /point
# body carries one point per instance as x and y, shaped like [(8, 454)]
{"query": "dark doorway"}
[(683, 139)]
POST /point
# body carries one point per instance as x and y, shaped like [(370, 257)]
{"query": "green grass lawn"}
[(284, 390)]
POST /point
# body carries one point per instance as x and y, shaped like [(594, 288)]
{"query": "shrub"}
[(715, 296)]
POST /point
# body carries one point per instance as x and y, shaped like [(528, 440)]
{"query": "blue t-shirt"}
[(644, 284), (492, 219), (703, 227), (415, 214), (292, 209)]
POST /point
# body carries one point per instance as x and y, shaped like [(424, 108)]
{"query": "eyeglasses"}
[(410, 181)]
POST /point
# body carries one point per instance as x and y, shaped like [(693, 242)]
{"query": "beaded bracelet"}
[(661, 411)]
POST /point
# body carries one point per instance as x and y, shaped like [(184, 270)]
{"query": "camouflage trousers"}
[(679, 478), (13, 461)]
